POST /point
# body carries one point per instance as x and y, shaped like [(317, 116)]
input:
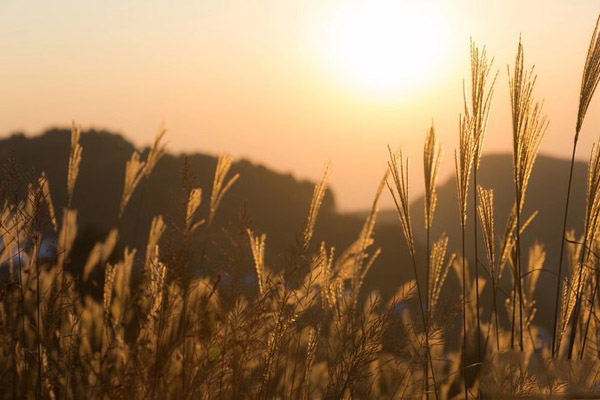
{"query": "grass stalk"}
[(486, 218), (589, 82), (562, 251), (477, 112), (529, 126), (432, 155), (592, 214), (401, 201), (476, 258), (464, 313), (464, 159)]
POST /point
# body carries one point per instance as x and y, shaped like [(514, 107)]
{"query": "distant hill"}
[(100, 182), (267, 201)]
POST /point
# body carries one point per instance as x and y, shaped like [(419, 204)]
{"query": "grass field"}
[(161, 330)]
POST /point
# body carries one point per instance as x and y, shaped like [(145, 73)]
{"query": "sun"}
[(384, 48)]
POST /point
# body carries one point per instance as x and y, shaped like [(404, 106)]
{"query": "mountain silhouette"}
[(266, 201)]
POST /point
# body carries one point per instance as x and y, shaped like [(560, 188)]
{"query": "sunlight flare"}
[(384, 48)]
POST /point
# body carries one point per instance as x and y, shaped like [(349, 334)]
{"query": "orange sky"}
[(252, 78)]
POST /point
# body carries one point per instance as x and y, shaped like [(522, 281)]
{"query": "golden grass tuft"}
[(432, 157), (74, 160), (257, 244), (591, 77), (315, 205), (136, 169)]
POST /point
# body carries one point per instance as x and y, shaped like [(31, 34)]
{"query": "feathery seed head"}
[(74, 161), (220, 186), (463, 159), (477, 112), (194, 200), (398, 166), (591, 77), (257, 245), (529, 123), (432, 157), (315, 205)]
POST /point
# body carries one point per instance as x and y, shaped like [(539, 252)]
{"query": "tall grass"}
[(477, 113), (529, 126), (485, 210), (432, 157), (154, 323), (590, 233), (589, 82), (399, 173), (464, 157)]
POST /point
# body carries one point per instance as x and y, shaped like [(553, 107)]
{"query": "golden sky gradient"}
[(279, 82)]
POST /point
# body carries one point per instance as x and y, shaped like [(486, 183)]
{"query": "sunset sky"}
[(289, 84)]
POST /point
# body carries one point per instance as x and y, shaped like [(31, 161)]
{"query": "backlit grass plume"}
[(477, 104), (589, 83), (66, 236), (590, 234), (432, 157), (477, 109), (398, 167), (191, 222), (591, 77), (464, 158), (136, 169), (591, 231), (571, 282), (157, 150), (315, 205), (486, 218), (45, 193), (439, 270), (220, 184), (157, 229), (257, 244), (74, 161), (529, 126), (357, 254)]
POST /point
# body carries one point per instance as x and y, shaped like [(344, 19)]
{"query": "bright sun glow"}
[(384, 48)]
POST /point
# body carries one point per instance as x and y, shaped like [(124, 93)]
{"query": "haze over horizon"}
[(260, 79)]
